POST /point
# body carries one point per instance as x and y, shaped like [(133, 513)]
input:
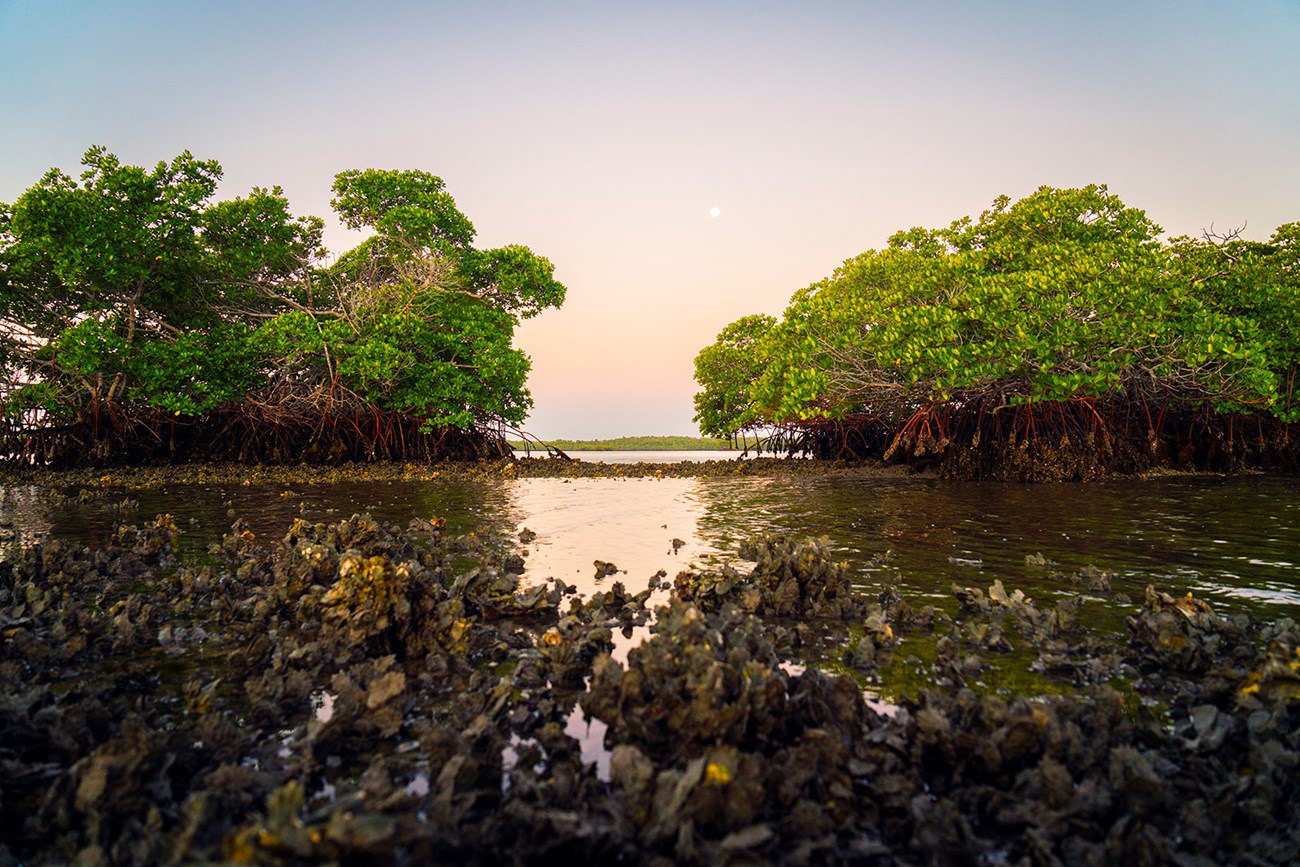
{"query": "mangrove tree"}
[(146, 320), (1059, 336)]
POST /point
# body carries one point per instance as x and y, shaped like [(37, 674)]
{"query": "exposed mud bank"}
[(341, 694), (531, 468), (1035, 463)]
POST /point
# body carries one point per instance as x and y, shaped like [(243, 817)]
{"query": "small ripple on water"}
[(1230, 537)]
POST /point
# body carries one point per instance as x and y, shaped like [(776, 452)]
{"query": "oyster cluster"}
[(342, 694)]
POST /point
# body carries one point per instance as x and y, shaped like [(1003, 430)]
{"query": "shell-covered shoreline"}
[(342, 694)]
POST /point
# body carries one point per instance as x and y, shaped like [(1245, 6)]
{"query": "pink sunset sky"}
[(602, 134)]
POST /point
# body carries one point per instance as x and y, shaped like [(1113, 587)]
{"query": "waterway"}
[(649, 456), (1232, 540)]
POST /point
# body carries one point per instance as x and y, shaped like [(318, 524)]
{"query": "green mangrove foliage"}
[(144, 319), (727, 369), (1061, 324)]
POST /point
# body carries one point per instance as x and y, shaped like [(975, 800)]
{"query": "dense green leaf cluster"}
[(1066, 296), (132, 296), (728, 368)]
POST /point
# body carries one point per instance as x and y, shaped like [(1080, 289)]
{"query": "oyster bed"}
[(140, 477), (343, 694)]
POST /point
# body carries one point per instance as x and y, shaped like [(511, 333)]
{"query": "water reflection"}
[(1232, 538), (1227, 537), (655, 457), (629, 522), (24, 515)]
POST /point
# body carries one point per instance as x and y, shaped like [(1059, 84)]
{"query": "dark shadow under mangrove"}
[(239, 437), (1077, 440)]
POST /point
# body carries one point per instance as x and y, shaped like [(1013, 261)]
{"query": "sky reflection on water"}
[(1230, 538)]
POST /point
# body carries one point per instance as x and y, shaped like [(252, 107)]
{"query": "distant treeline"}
[(631, 444)]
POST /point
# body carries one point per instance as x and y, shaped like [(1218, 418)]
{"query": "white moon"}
[(714, 212)]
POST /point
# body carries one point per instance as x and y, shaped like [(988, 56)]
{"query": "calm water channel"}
[(1235, 540)]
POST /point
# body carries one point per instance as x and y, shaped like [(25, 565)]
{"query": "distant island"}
[(631, 444)]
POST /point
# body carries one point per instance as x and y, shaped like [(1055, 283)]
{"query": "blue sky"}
[(601, 134)]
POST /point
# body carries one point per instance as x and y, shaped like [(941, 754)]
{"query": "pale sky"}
[(602, 134)]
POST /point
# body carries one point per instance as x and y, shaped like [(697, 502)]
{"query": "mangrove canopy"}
[(144, 319), (1059, 336)]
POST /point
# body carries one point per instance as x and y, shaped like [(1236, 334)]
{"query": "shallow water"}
[(1233, 539), (649, 456)]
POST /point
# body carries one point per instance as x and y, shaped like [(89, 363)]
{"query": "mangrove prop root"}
[(1073, 440), (325, 439)]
